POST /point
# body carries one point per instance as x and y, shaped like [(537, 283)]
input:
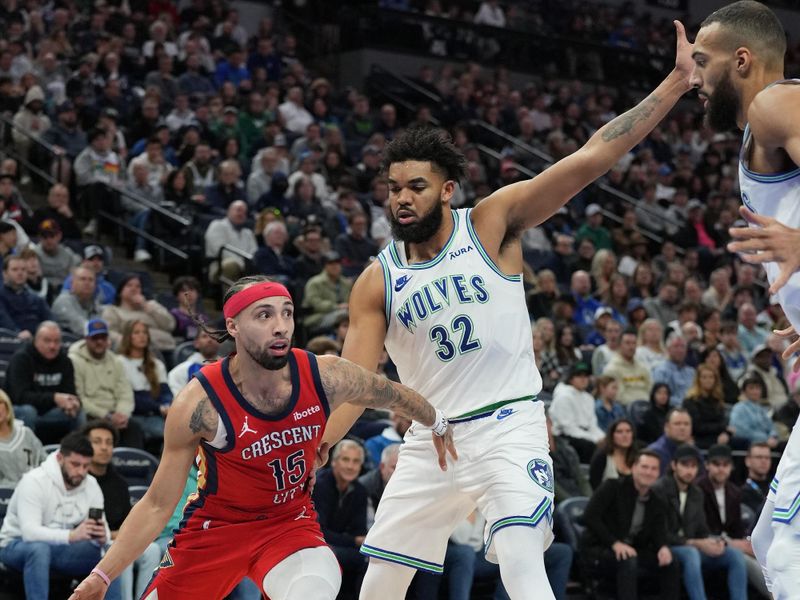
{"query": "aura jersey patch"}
[(541, 473)]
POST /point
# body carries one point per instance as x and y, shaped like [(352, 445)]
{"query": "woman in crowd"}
[(130, 304), (604, 265), (653, 419), (642, 284), (749, 421), (606, 407), (187, 293), (713, 358), (650, 344), (616, 453), (544, 350), (148, 377), (567, 352), (706, 405), (616, 298)]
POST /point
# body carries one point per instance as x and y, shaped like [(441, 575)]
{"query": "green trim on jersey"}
[(489, 409), (432, 262), (485, 255), (387, 288), (402, 559)]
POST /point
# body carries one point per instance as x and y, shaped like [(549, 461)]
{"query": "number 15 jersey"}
[(458, 328)]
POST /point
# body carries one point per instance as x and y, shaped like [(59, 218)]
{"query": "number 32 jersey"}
[(458, 328), (262, 463)]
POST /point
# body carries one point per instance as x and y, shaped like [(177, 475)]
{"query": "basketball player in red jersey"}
[(254, 422)]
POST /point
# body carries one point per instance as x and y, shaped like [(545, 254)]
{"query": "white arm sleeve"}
[(761, 538)]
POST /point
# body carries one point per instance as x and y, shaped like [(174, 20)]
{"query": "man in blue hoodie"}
[(25, 309)]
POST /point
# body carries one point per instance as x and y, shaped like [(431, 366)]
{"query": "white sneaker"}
[(91, 228), (141, 256)]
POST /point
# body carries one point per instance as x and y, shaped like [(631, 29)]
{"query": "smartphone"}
[(96, 514)]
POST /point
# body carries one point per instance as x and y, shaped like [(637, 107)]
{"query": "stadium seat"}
[(136, 492), (568, 520), (182, 351), (749, 518), (136, 466), (636, 410)]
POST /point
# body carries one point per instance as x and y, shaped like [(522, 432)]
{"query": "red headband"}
[(248, 295)]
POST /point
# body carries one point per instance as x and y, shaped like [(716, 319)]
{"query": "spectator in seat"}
[(626, 531), (651, 426), (650, 343), (355, 247), (207, 350), (59, 210), (607, 344), (47, 528), (30, 117), (293, 112), (376, 479), (751, 334), (148, 377), (271, 259), (572, 412), (688, 534), (586, 305), (723, 506), (749, 419), (311, 259), (79, 303), (759, 465), (94, 258), (102, 383), (731, 350), (706, 405), (593, 228), (762, 365), (117, 499), (41, 382), (606, 407), (677, 431), (229, 230), (341, 504), (662, 307), (130, 304), (307, 168), (36, 282), (570, 479), (326, 295), (57, 260), (22, 309), (633, 376), (616, 453), (20, 449), (391, 435), (186, 290), (674, 371), (69, 140)]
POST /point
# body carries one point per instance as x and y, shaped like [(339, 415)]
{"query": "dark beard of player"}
[(424, 229), (723, 106), (263, 358)]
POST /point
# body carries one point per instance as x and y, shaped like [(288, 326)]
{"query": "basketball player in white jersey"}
[(738, 73), (446, 299)]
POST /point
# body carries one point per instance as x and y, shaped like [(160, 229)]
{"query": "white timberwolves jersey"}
[(778, 196), (458, 327)]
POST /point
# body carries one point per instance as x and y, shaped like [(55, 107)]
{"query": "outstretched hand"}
[(91, 588), (443, 445), (771, 241), (684, 64), (793, 348)]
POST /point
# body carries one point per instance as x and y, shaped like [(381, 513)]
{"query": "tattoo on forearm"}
[(355, 385), (625, 123), (202, 419)]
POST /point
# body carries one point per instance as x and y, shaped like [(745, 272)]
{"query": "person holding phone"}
[(55, 520)]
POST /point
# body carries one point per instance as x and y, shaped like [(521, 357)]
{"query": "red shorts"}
[(208, 558)]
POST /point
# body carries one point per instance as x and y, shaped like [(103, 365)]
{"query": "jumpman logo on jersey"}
[(246, 428), (302, 515)]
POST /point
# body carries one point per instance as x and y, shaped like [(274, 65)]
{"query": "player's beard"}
[(424, 229), (265, 359), (723, 106)]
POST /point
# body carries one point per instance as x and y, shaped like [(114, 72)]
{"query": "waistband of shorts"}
[(485, 411)]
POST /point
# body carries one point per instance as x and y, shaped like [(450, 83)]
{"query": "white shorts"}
[(783, 556), (503, 469)]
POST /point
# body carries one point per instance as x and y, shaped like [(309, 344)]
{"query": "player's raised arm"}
[(190, 419), (346, 382), (528, 203), (363, 344)]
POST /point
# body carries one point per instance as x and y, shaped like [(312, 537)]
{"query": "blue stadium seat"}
[(568, 520), (749, 518), (136, 492), (636, 410), (136, 466), (182, 351)]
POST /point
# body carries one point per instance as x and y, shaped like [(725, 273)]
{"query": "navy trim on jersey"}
[(230, 435), (485, 255), (226, 376), (387, 287), (323, 398)]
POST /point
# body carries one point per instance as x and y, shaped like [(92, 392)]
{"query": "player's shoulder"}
[(193, 406), (773, 109), (369, 287)]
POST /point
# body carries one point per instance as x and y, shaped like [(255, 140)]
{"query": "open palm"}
[(684, 64)]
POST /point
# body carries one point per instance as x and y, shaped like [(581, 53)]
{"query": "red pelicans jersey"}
[(266, 460)]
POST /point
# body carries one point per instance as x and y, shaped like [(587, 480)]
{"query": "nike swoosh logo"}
[(506, 412), (401, 283)]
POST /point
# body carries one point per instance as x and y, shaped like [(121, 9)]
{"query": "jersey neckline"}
[(247, 407)]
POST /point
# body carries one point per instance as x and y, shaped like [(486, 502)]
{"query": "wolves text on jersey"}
[(280, 439), (432, 297)]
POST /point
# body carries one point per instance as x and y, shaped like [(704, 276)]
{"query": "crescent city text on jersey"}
[(432, 297), (280, 439)]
